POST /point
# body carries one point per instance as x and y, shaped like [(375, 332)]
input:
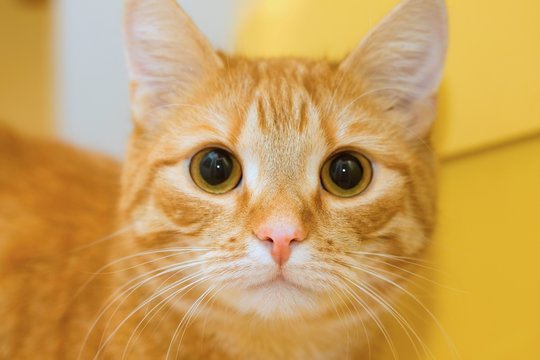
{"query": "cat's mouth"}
[(279, 281)]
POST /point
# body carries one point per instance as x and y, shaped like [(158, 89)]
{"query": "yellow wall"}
[(488, 246), (25, 66), (488, 136)]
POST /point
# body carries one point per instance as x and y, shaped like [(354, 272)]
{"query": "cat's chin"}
[(277, 299)]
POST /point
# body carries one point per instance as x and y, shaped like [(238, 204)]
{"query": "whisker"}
[(179, 250), (125, 289), (334, 93), (104, 239), (367, 93), (336, 309), (210, 305), (146, 302), (172, 270), (398, 273), (374, 316), (412, 273), (407, 260), (405, 129), (448, 339), (339, 292), (404, 324), (186, 318), (100, 271), (207, 302), (390, 256), (155, 310), (175, 252)]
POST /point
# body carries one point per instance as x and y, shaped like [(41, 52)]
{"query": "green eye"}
[(215, 171), (346, 174)]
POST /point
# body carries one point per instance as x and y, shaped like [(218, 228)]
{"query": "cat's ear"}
[(400, 62), (166, 55)]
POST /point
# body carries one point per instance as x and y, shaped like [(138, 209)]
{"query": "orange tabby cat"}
[(265, 208)]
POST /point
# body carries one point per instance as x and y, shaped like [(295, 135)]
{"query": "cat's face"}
[(294, 184)]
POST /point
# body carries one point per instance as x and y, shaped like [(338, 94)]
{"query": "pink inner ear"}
[(162, 41), (132, 41), (167, 55), (405, 52)]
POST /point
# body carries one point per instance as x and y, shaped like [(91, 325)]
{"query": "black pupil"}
[(346, 171), (216, 167)]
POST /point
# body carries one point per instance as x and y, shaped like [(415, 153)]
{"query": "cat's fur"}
[(80, 259)]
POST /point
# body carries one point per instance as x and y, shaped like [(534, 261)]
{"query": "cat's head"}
[(291, 184)]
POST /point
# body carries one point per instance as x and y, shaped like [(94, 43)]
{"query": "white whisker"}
[(126, 290), (404, 324), (153, 312), (416, 300), (104, 239), (373, 316), (175, 251), (186, 319), (146, 302), (345, 325)]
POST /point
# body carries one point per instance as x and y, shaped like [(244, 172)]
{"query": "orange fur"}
[(81, 261)]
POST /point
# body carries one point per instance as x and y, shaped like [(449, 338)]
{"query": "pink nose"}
[(281, 235)]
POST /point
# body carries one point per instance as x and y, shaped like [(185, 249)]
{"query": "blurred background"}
[(62, 74)]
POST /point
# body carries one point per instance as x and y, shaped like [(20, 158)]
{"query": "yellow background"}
[(25, 66), (487, 246)]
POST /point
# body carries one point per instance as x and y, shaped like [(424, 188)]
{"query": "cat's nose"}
[(281, 234)]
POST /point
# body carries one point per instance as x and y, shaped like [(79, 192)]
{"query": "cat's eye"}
[(215, 171), (346, 174)]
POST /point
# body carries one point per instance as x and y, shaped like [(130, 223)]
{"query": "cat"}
[(266, 209)]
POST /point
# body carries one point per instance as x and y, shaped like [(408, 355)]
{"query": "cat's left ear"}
[(166, 55), (400, 62)]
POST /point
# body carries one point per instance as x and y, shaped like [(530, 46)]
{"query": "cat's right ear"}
[(400, 63), (166, 55)]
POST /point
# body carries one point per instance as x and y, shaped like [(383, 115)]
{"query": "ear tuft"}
[(402, 59), (166, 53)]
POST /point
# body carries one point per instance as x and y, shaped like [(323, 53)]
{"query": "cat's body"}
[(267, 209), (54, 199)]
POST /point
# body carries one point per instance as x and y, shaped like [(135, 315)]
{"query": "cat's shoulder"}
[(32, 155), (56, 201), (44, 167), (55, 192)]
